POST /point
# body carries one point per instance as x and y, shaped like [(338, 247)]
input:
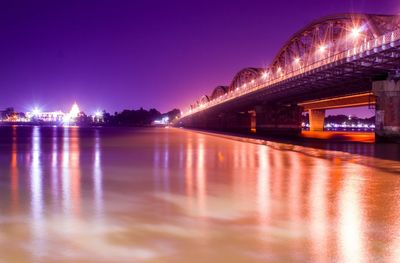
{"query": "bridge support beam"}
[(278, 119), (316, 119), (387, 116)]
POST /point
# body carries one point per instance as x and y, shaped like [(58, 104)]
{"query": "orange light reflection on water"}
[(368, 137), (14, 171)]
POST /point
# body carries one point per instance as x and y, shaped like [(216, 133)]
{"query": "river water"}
[(172, 195)]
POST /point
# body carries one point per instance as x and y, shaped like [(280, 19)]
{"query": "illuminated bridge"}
[(338, 61)]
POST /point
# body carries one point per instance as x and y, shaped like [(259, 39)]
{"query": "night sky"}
[(127, 54)]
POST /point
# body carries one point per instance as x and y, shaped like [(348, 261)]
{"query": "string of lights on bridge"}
[(322, 51)]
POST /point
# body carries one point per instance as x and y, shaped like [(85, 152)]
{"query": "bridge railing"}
[(367, 47)]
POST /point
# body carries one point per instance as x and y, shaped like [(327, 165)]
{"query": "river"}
[(173, 195)]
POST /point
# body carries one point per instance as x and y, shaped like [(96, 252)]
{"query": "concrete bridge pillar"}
[(214, 121), (387, 117), (199, 121), (278, 119), (238, 121), (316, 119)]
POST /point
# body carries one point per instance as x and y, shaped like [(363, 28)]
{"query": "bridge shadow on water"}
[(359, 143)]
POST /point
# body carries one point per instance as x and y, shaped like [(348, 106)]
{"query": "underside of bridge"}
[(273, 118), (316, 109)]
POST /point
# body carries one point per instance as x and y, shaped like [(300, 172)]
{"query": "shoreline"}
[(335, 155)]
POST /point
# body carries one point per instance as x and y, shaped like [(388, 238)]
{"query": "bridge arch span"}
[(329, 35), (218, 92), (245, 76), (204, 99)]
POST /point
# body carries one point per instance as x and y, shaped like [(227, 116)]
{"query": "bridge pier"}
[(387, 116), (213, 121), (238, 121), (199, 121), (278, 119), (316, 119)]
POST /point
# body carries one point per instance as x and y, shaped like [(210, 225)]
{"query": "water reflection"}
[(37, 192), (75, 171), (178, 196), (189, 172), (263, 184), (54, 168), (195, 176), (98, 175), (201, 177), (320, 226), (351, 222), (65, 173), (14, 171), (166, 175), (71, 181)]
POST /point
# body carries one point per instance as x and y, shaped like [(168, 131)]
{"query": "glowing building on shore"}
[(55, 116), (50, 116), (73, 114)]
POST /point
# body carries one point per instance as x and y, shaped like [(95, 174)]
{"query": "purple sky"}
[(127, 54)]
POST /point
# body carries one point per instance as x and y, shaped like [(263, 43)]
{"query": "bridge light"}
[(297, 60), (279, 69), (355, 32), (265, 75), (252, 81), (322, 48)]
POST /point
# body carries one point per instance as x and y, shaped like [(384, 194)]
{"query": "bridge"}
[(338, 61)]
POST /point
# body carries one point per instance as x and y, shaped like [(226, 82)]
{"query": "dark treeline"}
[(140, 117), (343, 119)]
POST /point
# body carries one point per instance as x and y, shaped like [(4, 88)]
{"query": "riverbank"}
[(358, 143)]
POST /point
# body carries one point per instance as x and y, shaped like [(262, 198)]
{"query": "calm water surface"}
[(170, 195)]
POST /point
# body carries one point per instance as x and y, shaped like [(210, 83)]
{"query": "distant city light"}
[(36, 111), (98, 114), (162, 121)]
